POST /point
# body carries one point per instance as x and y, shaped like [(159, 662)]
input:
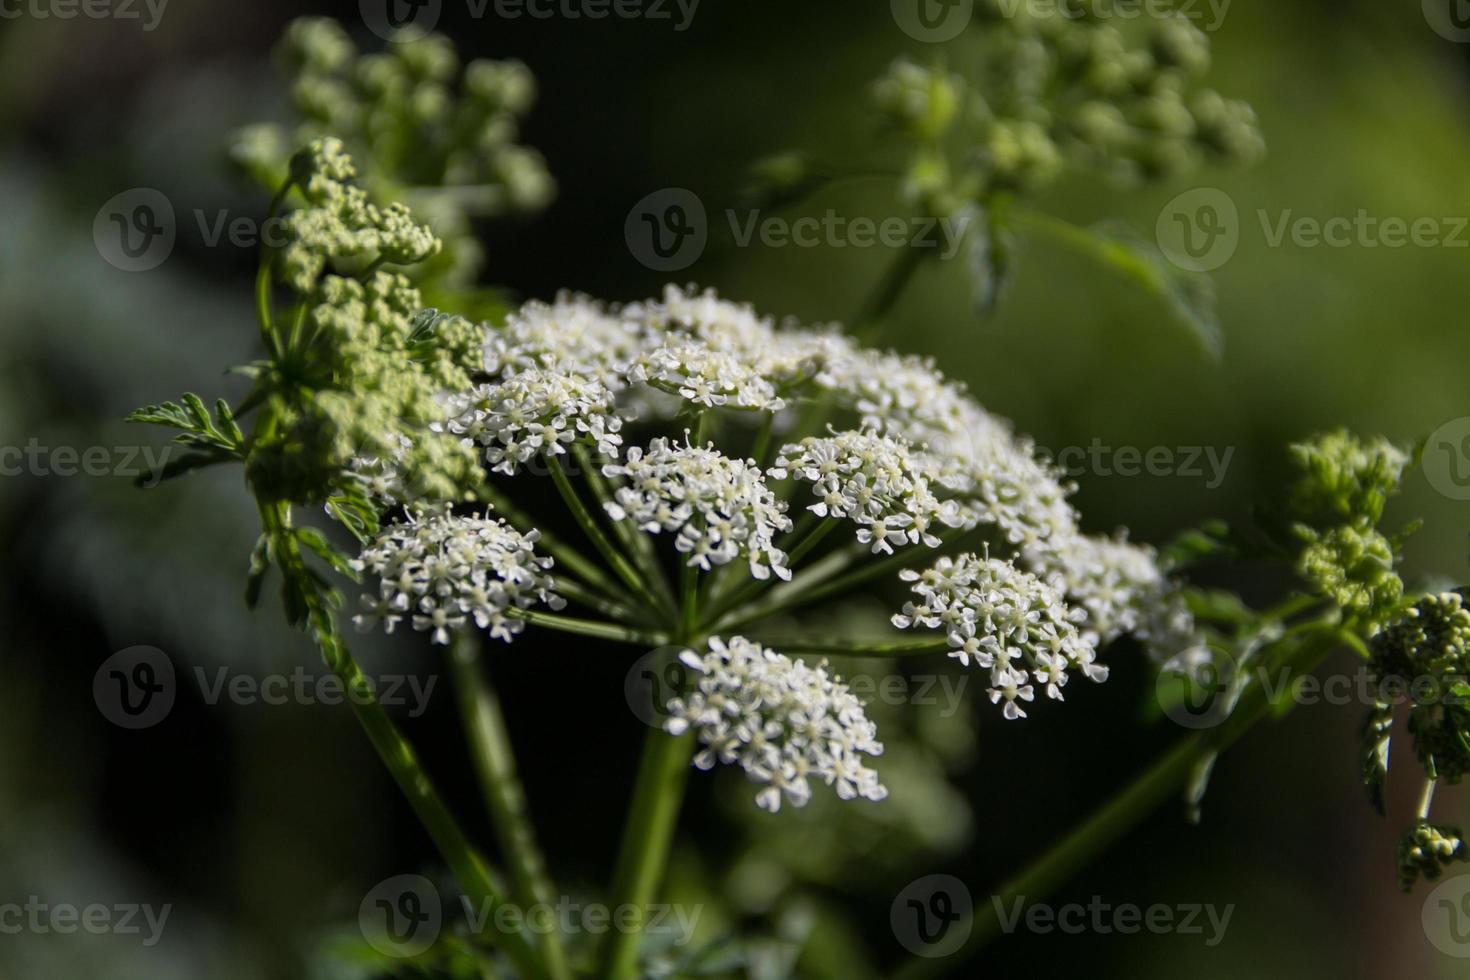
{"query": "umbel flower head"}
[(782, 721), (719, 508), (1006, 621), (444, 571)]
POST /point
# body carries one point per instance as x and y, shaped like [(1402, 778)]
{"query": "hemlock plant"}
[(718, 470)]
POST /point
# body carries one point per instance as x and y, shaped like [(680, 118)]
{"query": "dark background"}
[(264, 826)]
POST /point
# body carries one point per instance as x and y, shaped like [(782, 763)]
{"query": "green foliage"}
[(437, 135)]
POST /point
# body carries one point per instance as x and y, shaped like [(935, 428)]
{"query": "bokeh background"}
[(263, 827)]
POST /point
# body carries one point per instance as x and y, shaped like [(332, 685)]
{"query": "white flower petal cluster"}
[(536, 412), (1122, 590), (443, 570), (878, 482), (973, 452), (780, 720), (1005, 619), (783, 354), (719, 507), (574, 334), (707, 377)]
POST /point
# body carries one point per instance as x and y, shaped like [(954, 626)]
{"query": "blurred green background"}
[(263, 827)]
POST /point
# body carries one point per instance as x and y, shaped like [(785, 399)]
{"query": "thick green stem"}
[(500, 785), (1116, 817), (470, 870), (647, 837)]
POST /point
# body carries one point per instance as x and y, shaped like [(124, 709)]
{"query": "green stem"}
[(469, 868), (583, 567), (616, 559), (884, 297), (1116, 817), (647, 837), (635, 542), (857, 648), (505, 799), (579, 593), (586, 627)]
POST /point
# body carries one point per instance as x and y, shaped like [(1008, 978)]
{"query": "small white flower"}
[(537, 412), (574, 334), (443, 570), (877, 482), (720, 508), (780, 720), (1004, 619)]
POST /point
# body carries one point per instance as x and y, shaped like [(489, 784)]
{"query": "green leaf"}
[(991, 258), (260, 563), (1190, 296), (318, 544)]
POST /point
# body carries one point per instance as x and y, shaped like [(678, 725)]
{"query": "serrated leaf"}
[(317, 543)]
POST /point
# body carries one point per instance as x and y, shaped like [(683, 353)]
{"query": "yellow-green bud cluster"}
[(1426, 850), (1071, 85), (441, 135)]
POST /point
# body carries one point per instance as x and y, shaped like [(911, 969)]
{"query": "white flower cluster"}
[(443, 570), (1005, 619), (708, 378), (719, 507), (878, 482), (535, 412), (780, 720), (924, 454)]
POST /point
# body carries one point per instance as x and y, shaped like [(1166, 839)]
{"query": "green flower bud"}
[(1345, 478), (919, 102), (1352, 566), (1426, 850)]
